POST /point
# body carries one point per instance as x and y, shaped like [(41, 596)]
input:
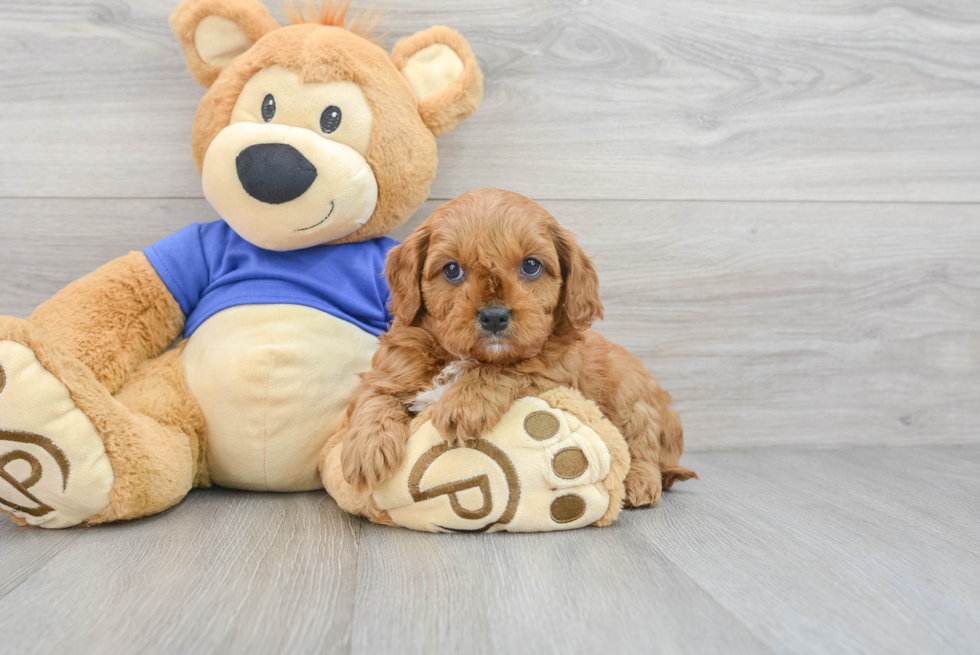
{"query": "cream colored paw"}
[(54, 471), (539, 469)]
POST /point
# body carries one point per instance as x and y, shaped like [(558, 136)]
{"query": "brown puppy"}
[(492, 287)]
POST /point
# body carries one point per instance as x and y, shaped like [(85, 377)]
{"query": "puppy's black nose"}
[(494, 319), (274, 173)]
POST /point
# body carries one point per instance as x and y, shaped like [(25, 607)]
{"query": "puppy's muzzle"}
[(494, 319), (274, 173)]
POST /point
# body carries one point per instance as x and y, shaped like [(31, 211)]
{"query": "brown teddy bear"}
[(312, 143)]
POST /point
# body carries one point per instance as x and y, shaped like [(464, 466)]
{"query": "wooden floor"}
[(783, 202), (776, 550)]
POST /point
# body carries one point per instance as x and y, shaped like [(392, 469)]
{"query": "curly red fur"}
[(547, 343)]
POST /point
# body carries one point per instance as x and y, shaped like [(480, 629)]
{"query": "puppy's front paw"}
[(458, 425), (452, 425), (463, 417), (369, 457)]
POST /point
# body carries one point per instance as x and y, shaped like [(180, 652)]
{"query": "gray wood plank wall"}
[(780, 196), (673, 99)]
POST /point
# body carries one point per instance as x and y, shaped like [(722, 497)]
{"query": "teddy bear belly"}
[(273, 382)]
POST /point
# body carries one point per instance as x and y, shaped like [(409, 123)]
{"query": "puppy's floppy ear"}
[(442, 71), (214, 32), (579, 305), (404, 272)]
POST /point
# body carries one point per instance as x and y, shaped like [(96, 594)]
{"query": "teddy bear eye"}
[(268, 108), (453, 272), (531, 267), (330, 119)]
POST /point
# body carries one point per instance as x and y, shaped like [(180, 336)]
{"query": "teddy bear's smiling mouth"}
[(303, 229)]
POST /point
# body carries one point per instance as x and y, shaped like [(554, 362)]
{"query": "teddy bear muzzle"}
[(282, 187)]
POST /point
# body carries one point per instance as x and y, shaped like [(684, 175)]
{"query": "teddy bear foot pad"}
[(540, 469), (54, 471)]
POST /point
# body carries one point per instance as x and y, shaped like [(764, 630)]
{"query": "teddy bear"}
[(226, 353)]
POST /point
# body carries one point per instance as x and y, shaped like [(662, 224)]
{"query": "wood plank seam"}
[(38, 569)]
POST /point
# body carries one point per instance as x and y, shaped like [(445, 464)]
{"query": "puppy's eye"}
[(330, 119), (268, 108), (453, 272), (531, 267)]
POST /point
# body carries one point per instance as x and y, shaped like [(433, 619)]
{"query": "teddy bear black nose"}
[(274, 172), (494, 319)]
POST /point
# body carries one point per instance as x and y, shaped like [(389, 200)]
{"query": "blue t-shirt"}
[(208, 267)]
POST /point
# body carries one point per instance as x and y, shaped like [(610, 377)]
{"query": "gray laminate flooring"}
[(774, 550)]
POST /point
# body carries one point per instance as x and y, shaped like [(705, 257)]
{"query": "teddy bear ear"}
[(214, 32), (442, 71)]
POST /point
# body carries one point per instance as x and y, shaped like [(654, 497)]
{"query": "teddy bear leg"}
[(574, 404), (553, 462), (72, 454), (158, 450)]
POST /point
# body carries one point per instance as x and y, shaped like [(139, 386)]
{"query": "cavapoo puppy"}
[(492, 301)]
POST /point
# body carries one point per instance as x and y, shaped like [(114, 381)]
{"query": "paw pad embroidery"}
[(567, 508), (21, 487), (541, 425), (539, 469), (570, 463), (54, 471)]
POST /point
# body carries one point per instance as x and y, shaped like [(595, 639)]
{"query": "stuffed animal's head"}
[(311, 133)]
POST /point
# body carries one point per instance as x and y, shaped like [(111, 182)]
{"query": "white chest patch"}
[(446, 378)]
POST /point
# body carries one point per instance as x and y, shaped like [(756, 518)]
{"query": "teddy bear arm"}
[(113, 319)]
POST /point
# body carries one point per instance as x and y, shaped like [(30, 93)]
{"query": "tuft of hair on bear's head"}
[(333, 13)]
